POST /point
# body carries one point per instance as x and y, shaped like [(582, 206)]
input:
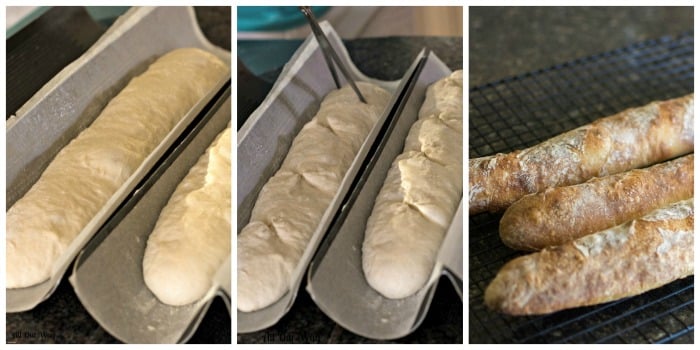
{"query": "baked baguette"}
[(419, 196), (291, 204), (562, 214), (622, 261), (633, 138), (192, 236), (89, 170)]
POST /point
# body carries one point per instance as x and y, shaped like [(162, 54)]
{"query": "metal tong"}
[(329, 53)]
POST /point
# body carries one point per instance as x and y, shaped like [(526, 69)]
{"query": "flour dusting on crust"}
[(671, 238), (594, 244), (676, 211)]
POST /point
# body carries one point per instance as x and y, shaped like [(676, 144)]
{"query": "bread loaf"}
[(93, 166), (562, 214), (622, 261), (290, 206), (192, 236), (419, 197), (634, 138)]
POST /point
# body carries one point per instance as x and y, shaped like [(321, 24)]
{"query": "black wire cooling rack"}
[(521, 111)]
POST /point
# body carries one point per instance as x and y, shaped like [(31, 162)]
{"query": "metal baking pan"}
[(265, 138), (107, 275), (451, 253), (75, 97), (336, 281)]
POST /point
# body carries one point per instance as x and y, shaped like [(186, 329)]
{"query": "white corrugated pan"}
[(265, 138), (108, 274), (336, 281), (73, 99)]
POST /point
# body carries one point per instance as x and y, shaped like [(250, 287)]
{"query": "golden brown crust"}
[(562, 214), (633, 138), (623, 261)]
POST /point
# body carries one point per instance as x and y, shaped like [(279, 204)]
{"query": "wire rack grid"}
[(523, 110)]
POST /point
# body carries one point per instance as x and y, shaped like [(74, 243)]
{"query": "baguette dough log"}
[(291, 204), (562, 214), (634, 138), (192, 236), (419, 197), (90, 169), (622, 261)]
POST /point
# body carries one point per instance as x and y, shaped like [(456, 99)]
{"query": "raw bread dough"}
[(192, 236), (444, 96), (419, 197), (291, 204), (90, 169)]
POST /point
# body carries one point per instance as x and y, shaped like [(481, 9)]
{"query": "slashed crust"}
[(634, 138), (622, 261), (562, 214)]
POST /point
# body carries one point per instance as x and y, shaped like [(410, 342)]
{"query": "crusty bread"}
[(633, 138), (622, 261), (562, 214)]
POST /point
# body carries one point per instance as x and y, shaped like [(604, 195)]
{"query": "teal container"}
[(273, 18)]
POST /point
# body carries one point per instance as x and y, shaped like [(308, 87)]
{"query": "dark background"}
[(506, 41)]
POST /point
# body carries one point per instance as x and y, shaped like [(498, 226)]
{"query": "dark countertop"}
[(62, 318), (385, 59), (506, 41)]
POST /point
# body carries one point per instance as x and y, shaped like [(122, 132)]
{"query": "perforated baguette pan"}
[(74, 98), (107, 275), (336, 281), (265, 138)]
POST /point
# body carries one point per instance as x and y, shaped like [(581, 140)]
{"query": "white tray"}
[(74, 98), (336, 281), (265, 138), (107, 275)]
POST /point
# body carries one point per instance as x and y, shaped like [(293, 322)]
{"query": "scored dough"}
[(192, 236), (291, 204), (419, 197), (89, 170)]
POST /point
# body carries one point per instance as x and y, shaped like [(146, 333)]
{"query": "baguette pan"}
[(292, 203), (562, 214), (90, 169), (420, 194), (622, 261), (633, 138)]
